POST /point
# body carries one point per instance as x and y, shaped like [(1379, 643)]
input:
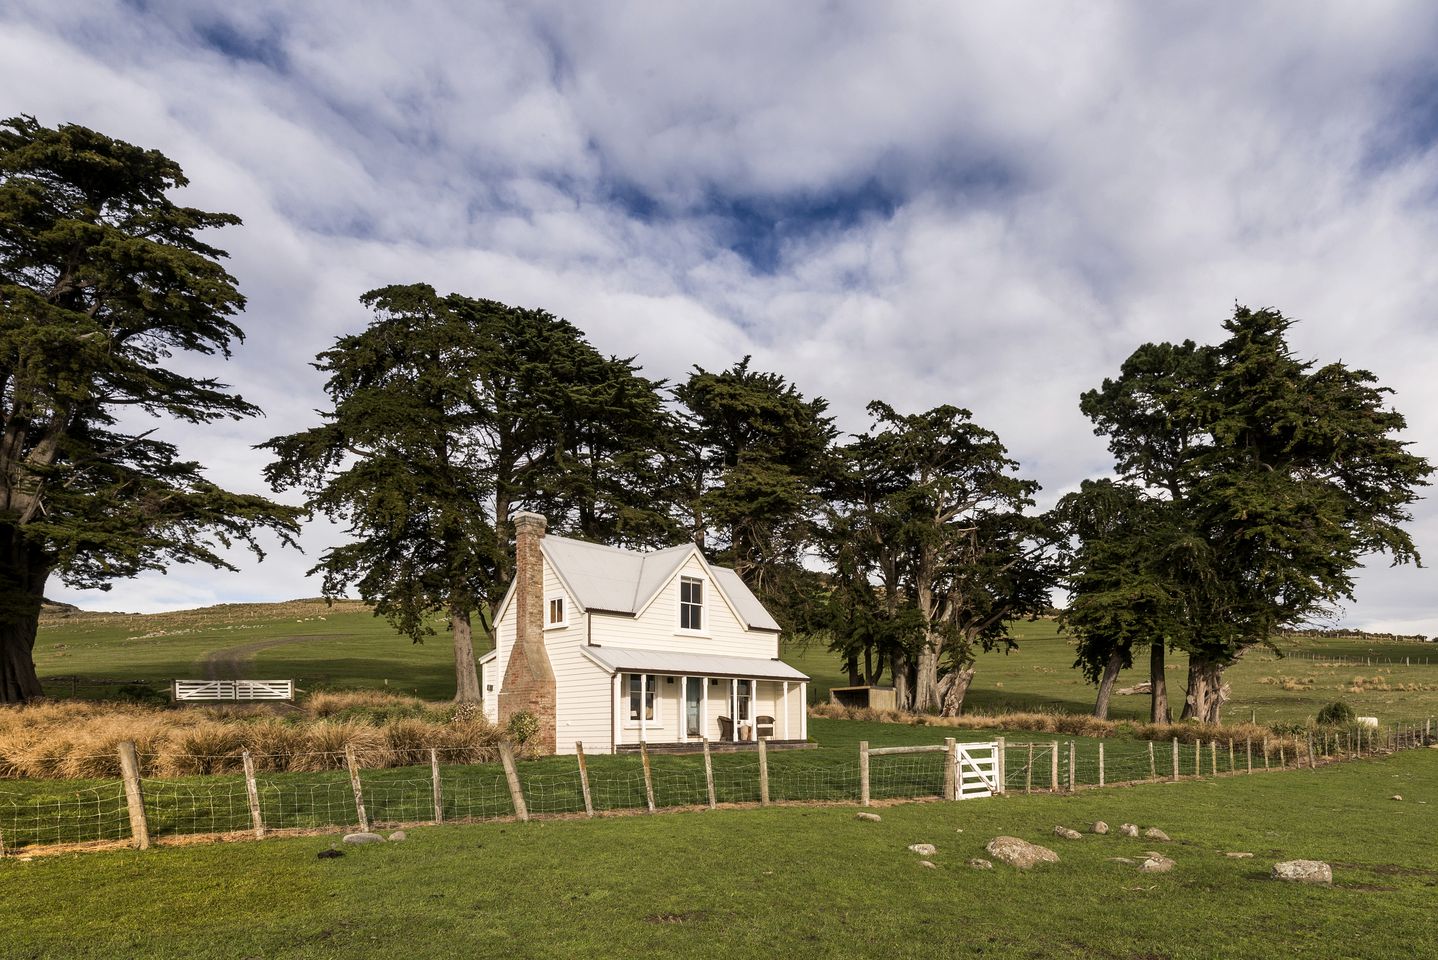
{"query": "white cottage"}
[(616, 647)]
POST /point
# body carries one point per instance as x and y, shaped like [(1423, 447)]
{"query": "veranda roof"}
[(671, 663)]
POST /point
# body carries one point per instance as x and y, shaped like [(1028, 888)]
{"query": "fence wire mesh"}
[(315, 791)]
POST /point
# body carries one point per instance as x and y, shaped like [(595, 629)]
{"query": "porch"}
[(722, 746), (682, 699)]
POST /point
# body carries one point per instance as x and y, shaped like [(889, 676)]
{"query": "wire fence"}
[(338, 793)]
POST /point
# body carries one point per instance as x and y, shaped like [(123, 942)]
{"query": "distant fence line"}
[(137, 810), (1357, 661)]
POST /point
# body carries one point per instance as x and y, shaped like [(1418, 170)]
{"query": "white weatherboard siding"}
[(581, 689), (493, 670), (657, 626)]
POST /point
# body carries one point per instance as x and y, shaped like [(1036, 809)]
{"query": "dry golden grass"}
[(80, 740)]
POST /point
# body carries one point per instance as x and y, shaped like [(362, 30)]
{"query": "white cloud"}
[(989, 206)]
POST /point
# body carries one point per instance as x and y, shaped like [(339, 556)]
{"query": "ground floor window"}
[(641, 688), (745, 693)]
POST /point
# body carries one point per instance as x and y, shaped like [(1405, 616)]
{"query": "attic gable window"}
[(556, 612), (691, 603)]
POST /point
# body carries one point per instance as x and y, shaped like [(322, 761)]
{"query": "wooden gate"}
[(979, 770), (233, 690)]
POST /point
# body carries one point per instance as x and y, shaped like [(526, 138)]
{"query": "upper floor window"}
[(691, 603), (556, 612)]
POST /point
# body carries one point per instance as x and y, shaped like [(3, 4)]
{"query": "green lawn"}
[(797, 882)]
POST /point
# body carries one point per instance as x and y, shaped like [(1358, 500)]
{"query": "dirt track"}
[(233, 663)]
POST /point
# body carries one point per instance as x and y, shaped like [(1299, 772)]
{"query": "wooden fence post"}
[(951, 768), (1248, 749), (709, 774), (1265, 752), (1073, 750), (1198, 758), (436, 790), (864, 772), (1001, 750), (1054, 769), (353, 766), (1152, 763), (583, 778), (648, 776), (1232, 767), (1175, 759), (511, 774), (252, 794), (1029, 774), (1282, 760), (763, 773), (1312, 763), (1100, 764), (1213, 757), (134, 796)]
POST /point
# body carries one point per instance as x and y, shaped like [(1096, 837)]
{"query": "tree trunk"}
[(952, 690), (1206, 691), (1158, 680), (466, 674), (899, 668), (1105, 686), (23, 573), (926, 679)]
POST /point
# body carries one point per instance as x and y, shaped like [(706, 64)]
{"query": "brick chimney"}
[(528, 677)]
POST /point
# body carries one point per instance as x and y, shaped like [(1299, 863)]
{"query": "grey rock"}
[(979, 863), (1099, 827), (1128, 829), (363, 838), (1156, 864), (927, 863), (1154, 833), (1398, 796), (1019, 853), (1303, 871), (868, 817), (397, 836), (923, 849), (1067, 834), (1238, 855)]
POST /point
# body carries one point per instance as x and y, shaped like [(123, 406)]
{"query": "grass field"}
[(344, 646), (797, 882)]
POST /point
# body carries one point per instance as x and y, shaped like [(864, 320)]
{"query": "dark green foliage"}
[(1336, 714), (103, 279), (757, 451), (1278, 476), (450, 413)]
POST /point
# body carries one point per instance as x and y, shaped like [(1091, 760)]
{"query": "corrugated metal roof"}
[(622, 581), (750, 610), (670, 663)]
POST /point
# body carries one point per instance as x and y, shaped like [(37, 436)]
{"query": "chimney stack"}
[(528, 676)]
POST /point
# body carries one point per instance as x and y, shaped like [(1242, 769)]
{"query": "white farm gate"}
[(970, 770), (208, 690)]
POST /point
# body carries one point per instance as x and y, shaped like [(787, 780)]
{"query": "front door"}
[(693, 690)]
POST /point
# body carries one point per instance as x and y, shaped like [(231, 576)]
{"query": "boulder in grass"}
[(397, 836), (928, 863), (1398, 796), (1156, 863), (979, 863), (1154, 833), (1067, 834), (1239, 855), (1128, 829), (363, 838), (1099, 827), (868, 817), (923, 849), (1303, 871), (1019, 853)]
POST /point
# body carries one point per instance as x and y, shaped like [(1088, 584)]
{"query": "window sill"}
[(696, 634), (555, 626)]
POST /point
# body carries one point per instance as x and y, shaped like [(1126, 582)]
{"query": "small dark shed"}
[(877, 698)]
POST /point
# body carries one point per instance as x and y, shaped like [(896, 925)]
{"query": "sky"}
[(989, 205)]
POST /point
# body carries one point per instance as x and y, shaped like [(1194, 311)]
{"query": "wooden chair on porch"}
[(764, 727), (726, 728)]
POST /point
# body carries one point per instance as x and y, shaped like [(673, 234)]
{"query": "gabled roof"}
[(616, 580)]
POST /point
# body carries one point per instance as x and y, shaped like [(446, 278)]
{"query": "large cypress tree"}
[(1286, 472), (103, 279)]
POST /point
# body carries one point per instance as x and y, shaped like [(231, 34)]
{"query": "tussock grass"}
[(80, 740)]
